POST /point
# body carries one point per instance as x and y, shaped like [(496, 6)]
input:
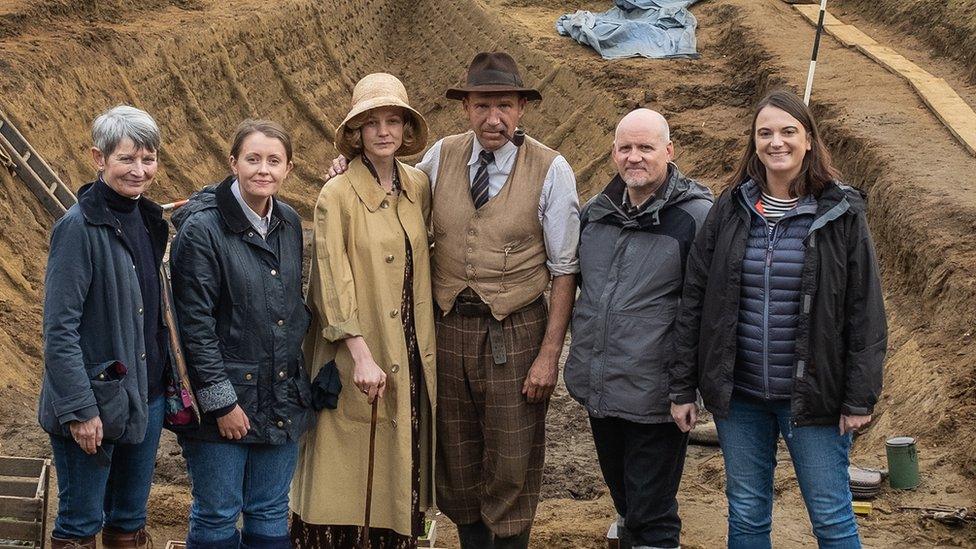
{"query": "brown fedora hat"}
[(493, 72)]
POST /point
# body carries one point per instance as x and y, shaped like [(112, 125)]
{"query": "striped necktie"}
[(479, 187)]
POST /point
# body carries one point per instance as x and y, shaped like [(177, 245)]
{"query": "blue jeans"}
[(229, 479), (92, 495), (748, 437)]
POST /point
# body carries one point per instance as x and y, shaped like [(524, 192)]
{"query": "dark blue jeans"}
[(92, 495), (820, 458), (229, 479)]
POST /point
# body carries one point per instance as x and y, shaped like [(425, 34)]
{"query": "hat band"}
[(494, 78)]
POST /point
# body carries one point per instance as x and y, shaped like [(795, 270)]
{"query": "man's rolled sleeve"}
[(559, 213)]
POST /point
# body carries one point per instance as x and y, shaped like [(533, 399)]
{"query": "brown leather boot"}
[(113, 538), (73, 543)]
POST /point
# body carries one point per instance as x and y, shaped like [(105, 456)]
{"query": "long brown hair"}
[(816, 172)]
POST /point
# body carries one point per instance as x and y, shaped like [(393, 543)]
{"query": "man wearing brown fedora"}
[(505, 221), (506, 225)]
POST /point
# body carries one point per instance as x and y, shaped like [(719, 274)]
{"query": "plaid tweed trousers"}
[(490, 441)]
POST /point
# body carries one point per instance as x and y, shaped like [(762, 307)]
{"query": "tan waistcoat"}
[(498, 250)]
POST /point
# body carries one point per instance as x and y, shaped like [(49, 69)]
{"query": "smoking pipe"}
[(517, 137)]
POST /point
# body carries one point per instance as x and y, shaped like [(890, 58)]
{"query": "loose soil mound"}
[(200, 66)]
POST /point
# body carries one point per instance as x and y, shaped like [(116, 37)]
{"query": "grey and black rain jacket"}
[(631, 271)]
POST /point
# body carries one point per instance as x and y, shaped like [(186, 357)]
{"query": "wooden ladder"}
[(27, 165)]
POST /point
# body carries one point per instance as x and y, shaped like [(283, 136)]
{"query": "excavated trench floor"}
[(202, 65)]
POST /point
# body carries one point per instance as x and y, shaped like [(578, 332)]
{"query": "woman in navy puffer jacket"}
[(782, 327)]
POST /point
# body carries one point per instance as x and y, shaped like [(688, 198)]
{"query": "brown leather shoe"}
[(113, 538), (73, 543)]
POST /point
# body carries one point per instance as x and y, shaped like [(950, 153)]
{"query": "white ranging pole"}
[(816, 50)]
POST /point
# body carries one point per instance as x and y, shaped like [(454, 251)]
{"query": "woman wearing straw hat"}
[(370, 294)]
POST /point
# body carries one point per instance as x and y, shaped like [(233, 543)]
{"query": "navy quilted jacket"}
[(769, 301)]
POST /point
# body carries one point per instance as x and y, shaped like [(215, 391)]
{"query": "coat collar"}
[(94, 206), (610, 201), (232, 213), (369, 192)]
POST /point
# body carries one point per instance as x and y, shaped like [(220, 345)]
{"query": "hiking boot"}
[(73, 543), (113, 538)]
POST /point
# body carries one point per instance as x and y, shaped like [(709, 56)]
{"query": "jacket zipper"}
[(770, 236)]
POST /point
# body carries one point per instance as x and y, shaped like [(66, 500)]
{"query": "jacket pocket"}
[(635, 381), (579, 362), (110, 397), (232, 329), (244, 377)]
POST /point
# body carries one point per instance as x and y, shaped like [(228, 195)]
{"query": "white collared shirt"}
[(559, 209), (261, 224)]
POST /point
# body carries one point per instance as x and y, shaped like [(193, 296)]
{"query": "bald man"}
[(634, 238)]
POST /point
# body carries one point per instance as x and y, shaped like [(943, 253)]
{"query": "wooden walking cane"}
[(369, 474)]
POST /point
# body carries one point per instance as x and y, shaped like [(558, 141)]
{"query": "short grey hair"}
[(123, 121)]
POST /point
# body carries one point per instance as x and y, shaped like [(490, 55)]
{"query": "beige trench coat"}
[(356, 289)]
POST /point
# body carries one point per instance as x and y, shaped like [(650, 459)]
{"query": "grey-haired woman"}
[(105, 345)]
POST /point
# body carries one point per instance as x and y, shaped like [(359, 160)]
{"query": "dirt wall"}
[(948, 26), (201, 66)]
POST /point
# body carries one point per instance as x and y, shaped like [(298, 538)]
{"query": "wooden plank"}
[(41, 492), (955, 114), (40, 168), (20, 508), (812, 14), (21, 467), (21, 531), (33, 182), (46, 485), (18, 487), (849, 35), (65, 196)]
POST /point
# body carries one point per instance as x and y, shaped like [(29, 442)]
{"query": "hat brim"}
[(462, 92), (419, 144)]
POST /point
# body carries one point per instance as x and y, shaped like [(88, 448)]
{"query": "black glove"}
[(326, 387)]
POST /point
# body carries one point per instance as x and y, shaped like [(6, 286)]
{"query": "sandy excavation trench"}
[(200, 66)]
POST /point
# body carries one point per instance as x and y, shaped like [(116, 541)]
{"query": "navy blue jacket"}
[(841, 333), (769, 302), (93, 321), (242, 317)]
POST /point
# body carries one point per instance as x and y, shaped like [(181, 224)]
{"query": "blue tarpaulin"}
[(647, 28)]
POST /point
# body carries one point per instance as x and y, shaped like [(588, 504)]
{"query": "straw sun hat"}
[(381, 90)]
